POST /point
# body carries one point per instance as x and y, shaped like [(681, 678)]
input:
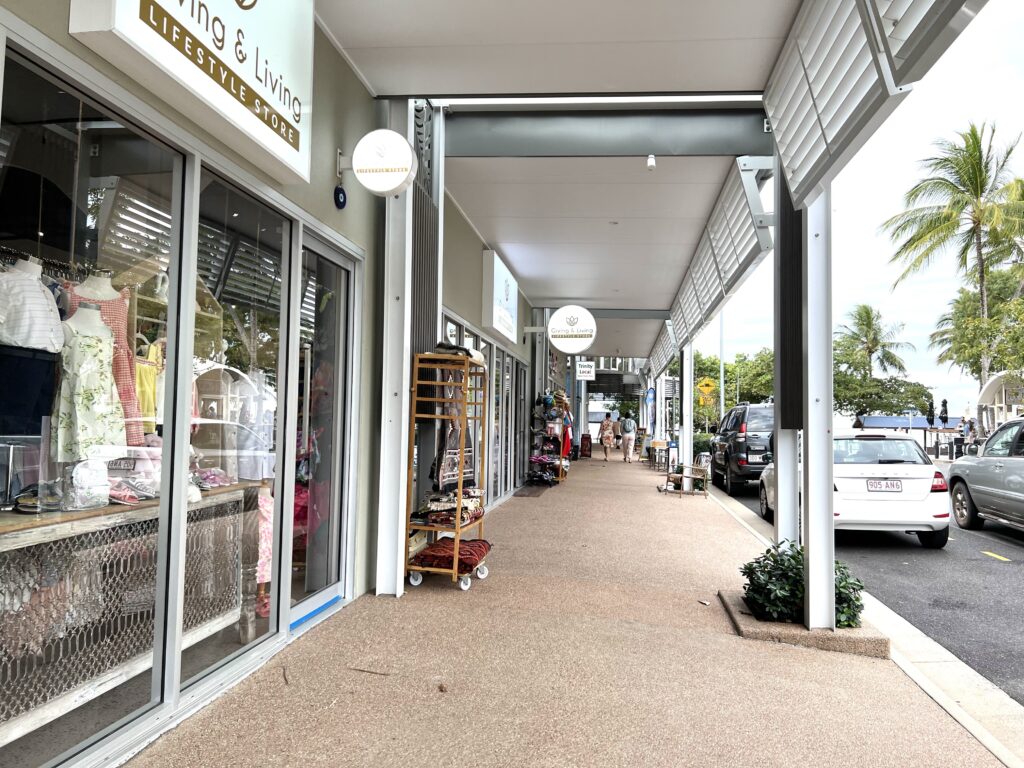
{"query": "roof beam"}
[(632, 314), (607, 134)]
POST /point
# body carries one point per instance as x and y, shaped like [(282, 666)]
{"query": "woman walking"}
[(606, 434), (628, 437)]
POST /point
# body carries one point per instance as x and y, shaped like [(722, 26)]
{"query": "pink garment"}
[(115, 314), (265, 565)]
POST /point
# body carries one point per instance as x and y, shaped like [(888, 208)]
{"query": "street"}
[(968, 596)]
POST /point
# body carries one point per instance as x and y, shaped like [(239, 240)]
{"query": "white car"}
[(882, 483)]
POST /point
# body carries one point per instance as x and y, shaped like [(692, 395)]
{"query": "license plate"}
[(885, 486), (755, 458)]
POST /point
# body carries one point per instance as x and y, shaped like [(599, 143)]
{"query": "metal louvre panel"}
[(741, 225), (135, 241), (706, 280), (720, 232), (691, 306), (918, 32), (425, 310), (678, 318), (824, 89)]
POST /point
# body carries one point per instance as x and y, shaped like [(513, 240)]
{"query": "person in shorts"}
[(628, 437)]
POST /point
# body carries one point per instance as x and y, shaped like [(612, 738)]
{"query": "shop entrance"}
[(318, 538)]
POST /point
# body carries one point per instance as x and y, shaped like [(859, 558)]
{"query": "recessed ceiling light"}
[(234, 215), (614, 223), (42, 234)]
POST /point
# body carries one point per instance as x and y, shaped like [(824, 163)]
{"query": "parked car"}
[(990, 485), (881, 483), (739, 445)]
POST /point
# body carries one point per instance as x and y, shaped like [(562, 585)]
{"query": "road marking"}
[(997, 557)]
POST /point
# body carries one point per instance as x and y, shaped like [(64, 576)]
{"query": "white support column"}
[(391, 546), (686, 407), (818, 526), (659, 407), (787, 481)]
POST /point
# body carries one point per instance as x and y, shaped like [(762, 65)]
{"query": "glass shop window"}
[(86, 255), (235, 410)]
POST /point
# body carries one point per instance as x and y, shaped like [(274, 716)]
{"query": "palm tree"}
[(873, 342), (970, 203)]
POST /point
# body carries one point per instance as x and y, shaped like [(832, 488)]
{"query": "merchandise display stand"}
[(549, 459), (450, 390)]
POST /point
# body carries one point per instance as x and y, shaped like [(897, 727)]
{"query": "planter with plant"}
[(775, 587)]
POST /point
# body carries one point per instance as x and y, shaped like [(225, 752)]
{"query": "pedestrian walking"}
[(606, 434), (628, 437)]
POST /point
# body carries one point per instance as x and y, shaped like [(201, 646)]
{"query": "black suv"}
[(738, 448)]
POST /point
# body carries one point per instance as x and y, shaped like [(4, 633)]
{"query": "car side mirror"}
[(972, 450), (769, 456)]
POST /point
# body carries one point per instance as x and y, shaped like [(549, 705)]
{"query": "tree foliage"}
[(868, 342), (968, 203)]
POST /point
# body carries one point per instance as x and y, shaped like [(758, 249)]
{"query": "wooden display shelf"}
[(467, 405)]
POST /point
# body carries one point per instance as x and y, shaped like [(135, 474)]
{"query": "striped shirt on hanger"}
[(28, 313)]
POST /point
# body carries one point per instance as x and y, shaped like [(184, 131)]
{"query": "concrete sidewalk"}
[(597, 640)]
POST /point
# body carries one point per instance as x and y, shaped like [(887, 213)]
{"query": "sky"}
[(981, 79)]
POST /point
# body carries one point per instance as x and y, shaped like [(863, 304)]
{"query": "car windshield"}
[(879, 451), (760, 420)]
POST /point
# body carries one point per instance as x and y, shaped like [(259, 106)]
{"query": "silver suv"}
[(990, 486)]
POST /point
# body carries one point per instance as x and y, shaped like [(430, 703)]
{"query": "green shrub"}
[(775, 587), (701, 443)]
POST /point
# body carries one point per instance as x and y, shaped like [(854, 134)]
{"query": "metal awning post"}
[(686, 421), (818, 525)]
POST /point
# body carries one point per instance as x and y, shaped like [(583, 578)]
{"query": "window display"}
[(242, 250), (85, 229)]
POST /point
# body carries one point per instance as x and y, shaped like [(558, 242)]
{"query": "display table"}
[(78, 596)]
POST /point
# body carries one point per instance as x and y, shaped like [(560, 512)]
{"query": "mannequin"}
[(88, 321), (98, 286), (30, 267), (113, 305), (30, 338)]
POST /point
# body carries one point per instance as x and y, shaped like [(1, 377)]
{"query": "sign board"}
[(586, 370), (384, 162), (501, 297), (704, 400), (243, 69), (572, 329), (706, 385)]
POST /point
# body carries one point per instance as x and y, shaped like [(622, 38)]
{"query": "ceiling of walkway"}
[(600, 231), (486, 47)]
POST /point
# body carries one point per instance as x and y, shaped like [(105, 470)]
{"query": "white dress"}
[(88, 421)]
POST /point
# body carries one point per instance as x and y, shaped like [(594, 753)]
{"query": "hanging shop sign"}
[(243, 69), (501, 297), (572, 329), (586, 370), (384, 162)]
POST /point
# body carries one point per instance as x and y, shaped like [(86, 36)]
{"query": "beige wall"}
[(342, 112), (463, 275)]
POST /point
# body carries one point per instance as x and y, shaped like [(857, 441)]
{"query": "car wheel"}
[(730, 484), (964, 511), (933, 539), (766, 511)]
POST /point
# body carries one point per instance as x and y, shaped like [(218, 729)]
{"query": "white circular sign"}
[(572, 329), (384, 162)]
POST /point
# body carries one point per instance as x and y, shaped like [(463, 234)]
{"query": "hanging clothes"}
[(115, 314), (147, 371), (87, 413)]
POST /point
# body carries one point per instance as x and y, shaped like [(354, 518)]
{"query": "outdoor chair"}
[(699, 470)]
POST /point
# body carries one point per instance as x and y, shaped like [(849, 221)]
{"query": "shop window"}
[(316, 517), (86, 215), (235, 410)]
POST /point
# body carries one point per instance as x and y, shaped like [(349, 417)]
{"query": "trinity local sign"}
[(572, 329), (243, 69)]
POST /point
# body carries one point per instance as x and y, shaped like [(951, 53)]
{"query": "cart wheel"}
[(415, 578), (465, 582), (481, 572)]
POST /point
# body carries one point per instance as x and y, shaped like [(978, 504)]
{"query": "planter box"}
[(863, 641)]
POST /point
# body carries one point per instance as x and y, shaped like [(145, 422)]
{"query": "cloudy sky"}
[(980, 79)]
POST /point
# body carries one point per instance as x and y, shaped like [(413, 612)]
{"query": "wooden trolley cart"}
[(451, 391)]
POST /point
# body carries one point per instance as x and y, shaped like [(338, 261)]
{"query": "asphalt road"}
[(966, 600)]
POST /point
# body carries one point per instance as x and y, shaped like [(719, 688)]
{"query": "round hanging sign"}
[(384, 162), (572, 329)]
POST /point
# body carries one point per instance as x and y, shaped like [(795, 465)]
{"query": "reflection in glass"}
[(85, 234), (316, 516), (232, 510)]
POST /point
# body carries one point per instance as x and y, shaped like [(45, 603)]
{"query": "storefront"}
[(473, 291), (186, 355)]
